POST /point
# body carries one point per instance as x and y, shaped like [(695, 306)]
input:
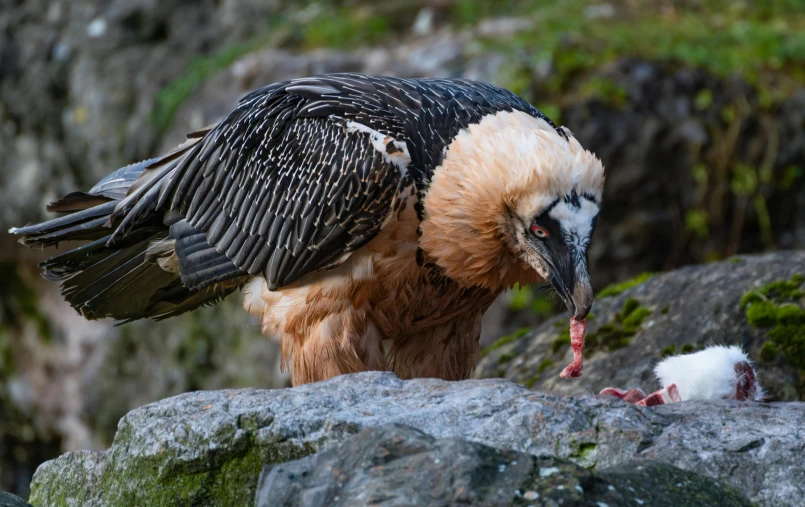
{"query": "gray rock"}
[(209, 447), (9, 500), (397, 465), (687, 309)]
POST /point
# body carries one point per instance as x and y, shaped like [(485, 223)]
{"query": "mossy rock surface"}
[(209, 447), (757, 303)]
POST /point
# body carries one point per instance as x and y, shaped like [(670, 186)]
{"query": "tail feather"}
[(74, 226), (120, 285), (123, 273), (77, 201)]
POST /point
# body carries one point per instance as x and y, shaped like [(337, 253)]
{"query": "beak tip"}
[(581, 313)]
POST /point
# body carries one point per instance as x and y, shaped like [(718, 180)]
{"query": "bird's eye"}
[(539, 232)]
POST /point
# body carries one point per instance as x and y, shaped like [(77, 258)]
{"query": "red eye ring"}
[(540, 232)]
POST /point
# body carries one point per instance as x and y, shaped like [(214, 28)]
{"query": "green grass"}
[(750, 39), (301, 26), (344, 27), (199, 69), (758, 41)]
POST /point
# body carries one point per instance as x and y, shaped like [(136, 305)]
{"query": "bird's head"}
[(515, 202)]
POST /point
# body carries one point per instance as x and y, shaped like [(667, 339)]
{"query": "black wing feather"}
[(284, 187), (261, 194)]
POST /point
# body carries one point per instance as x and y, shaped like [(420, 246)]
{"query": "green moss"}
[(543, 365), (778, 291), (520, 297), (790, 315), (608, 337), (585, 454), (507, 357), (227, 478), (529, 383), (620, 331), (543, 306), (768, 351), (777, 307), (751, 297), (604, 90), (687, 348), (762, 314), (754, 39), (636, 318), (618, 288), (736, 260), (785, 289), (344, 27), (697, 221), (790, 176), (629, 306), (560, 342), (664, 309), (524, 297), (790, 339), (504, 340)]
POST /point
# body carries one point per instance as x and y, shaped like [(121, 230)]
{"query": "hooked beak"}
[(574, 289)]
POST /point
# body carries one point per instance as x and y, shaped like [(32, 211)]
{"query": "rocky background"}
[(697, 109)]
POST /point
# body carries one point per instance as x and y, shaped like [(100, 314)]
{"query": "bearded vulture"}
[(370, 221)]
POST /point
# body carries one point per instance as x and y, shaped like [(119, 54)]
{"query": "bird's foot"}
[(577, 330)]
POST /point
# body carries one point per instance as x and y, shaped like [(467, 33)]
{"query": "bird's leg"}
[(577, 330)]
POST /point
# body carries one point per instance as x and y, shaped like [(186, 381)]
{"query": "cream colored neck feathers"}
[(498, 175)]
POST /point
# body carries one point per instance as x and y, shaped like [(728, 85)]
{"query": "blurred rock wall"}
[(79, 82)]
